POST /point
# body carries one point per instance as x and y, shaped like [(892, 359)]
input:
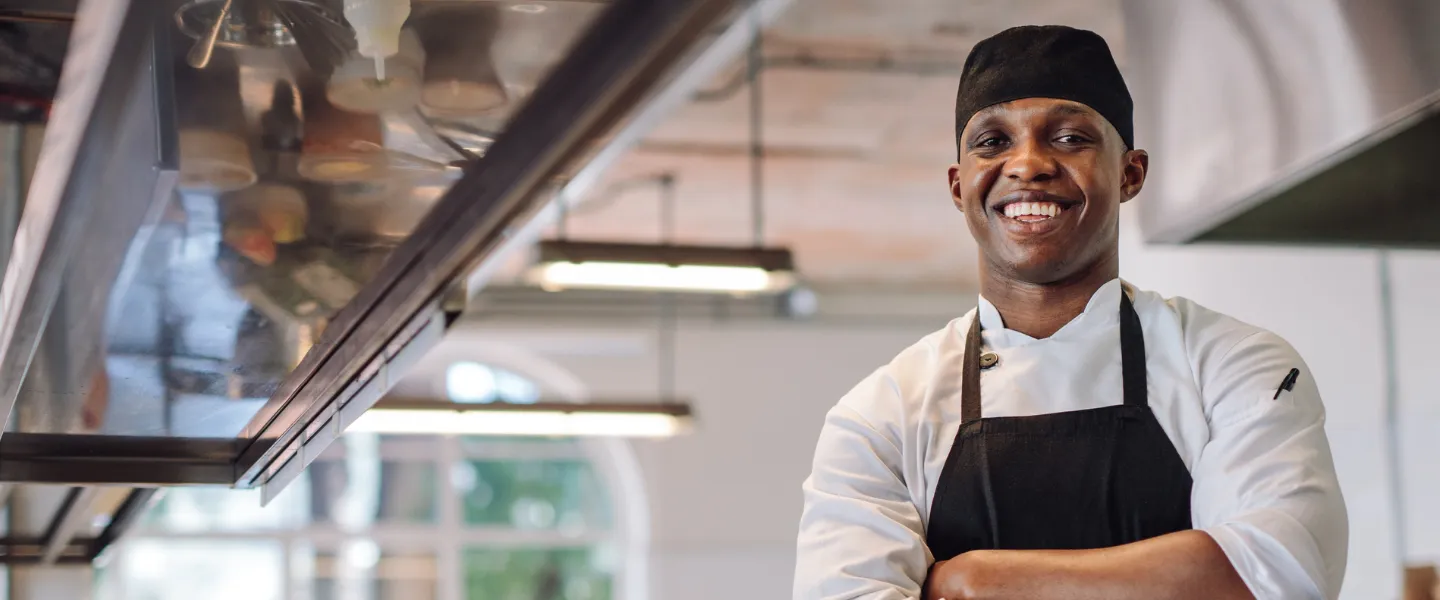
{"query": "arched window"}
[(381, 517)]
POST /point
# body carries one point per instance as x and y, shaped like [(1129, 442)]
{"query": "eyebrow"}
[(1072, 110)]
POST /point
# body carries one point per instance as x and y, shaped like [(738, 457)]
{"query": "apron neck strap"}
[(970, 374), (1132, 352), (1132, 362)]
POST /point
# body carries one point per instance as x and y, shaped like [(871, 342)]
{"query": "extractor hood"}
[(1307, 122)]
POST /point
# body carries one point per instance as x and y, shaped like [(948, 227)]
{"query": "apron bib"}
[(1070, 480)]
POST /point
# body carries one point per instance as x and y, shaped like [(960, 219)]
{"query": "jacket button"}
[(989, 359)]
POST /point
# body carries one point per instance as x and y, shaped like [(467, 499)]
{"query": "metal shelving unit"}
[(123, 349)]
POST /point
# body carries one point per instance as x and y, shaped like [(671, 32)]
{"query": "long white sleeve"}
[(861, 535), (1264, 485)]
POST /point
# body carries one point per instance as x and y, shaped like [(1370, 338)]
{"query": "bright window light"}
[(513, 423), (654, 276), (515, 389), (470, 382)]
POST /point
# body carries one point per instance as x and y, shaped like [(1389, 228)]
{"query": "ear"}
[(1137, 166), (954, 182)]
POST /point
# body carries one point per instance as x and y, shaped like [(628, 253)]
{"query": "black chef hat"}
[(1049, 61)]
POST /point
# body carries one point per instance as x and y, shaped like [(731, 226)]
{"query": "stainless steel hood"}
[(142, 342), (1288, 121)]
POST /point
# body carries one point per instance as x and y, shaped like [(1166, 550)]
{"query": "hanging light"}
[(558, 419), (666, 266), (598, 265)]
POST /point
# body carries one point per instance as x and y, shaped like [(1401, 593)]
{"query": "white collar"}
[(1101, 311)]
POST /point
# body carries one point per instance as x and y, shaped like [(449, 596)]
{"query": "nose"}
[(1030, 161)]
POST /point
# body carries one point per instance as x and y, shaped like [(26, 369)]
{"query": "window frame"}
[(448, 537)]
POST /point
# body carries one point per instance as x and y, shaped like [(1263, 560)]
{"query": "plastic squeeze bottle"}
[(377, 26)]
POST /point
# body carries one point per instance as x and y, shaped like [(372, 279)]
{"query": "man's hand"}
[(1186, 564)]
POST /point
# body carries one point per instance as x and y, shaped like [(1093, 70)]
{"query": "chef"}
[(1074, 436)]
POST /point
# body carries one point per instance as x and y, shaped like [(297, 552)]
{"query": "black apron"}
[(1071, 480)]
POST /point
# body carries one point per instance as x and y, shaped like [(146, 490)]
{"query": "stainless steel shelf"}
[(152, 322)]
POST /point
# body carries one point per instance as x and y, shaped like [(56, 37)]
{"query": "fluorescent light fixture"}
[(704, 269), (642, 276), (559, 419)]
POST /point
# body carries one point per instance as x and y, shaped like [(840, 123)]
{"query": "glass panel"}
[(538, 574), (563, 495), (301, 170), (361, 570), (212, 569)]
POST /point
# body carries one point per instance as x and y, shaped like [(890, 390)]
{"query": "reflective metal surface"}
[(288, 201), (1234, 97), (224, 266), (632, 48)]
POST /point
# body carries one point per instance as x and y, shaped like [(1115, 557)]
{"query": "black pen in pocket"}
[(1287, 384)]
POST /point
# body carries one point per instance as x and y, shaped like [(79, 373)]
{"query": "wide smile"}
[(1031, 212)]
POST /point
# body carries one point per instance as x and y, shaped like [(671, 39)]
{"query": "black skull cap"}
[(1045, 61)]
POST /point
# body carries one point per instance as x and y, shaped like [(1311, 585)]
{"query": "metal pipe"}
[(1391, 409), (68, 519), (12, 169), (667, 208), (757, 131), (125, 516), (666, 347)]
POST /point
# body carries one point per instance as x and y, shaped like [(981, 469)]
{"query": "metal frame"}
[(109, 459), (59, 544), (123, 520), (448, 535), (630, 47), (39, 11), (29, 551), (68, 520)]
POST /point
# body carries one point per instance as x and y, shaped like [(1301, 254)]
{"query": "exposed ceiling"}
[(854, 178)]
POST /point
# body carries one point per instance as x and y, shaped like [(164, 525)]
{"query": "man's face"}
[(1041, 182)]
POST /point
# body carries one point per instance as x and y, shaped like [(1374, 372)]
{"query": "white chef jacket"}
[(1264, 481)]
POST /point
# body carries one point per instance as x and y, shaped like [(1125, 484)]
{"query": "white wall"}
[(725, 499)]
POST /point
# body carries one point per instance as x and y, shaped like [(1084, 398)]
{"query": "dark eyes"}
[(997, 141), (993, 142)]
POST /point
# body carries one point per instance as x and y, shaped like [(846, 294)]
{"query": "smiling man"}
[(1072, 437)]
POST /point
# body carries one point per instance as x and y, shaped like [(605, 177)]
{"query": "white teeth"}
[(1039, 209)]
